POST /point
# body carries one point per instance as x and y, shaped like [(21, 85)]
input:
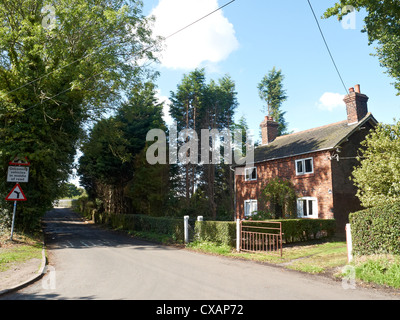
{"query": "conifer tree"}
[(271, 91)]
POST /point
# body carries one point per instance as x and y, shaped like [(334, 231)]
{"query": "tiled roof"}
[(312, 140)]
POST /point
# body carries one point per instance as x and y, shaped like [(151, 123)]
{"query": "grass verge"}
[(21, 249), (312, 258), (380, 269)]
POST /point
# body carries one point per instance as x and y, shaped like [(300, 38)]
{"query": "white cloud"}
[(209, 40), (330, 101)]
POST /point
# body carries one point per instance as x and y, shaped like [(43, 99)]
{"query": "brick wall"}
[(345, 200), (356, 106), (317, 184)]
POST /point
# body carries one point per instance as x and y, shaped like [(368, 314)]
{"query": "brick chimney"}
[(356, 105), (269, 130)]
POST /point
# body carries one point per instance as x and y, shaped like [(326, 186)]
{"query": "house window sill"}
[(305, 176)]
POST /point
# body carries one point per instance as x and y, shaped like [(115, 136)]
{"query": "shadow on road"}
[(64, 228), (36, 296)]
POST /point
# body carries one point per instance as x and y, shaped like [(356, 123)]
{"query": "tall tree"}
[(53, 79), (382, 24), (271, 91), (197, 105), (148, 187), (186, 110), (221, 103), (377, 177), (113, 166)]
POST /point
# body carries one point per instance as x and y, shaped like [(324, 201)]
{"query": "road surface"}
[(89, 262)]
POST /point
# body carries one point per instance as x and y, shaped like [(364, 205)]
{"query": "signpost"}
[(15, 195), (18, 171), (18, 174)]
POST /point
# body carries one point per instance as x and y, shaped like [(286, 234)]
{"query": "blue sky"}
[(249, 37)]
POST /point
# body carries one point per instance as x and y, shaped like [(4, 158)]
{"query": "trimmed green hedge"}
[(307, 229), (376, 230), (224, 232), (220, 232), (135, 222), (302, 229)]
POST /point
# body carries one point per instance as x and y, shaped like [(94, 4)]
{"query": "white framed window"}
[(250, 174), (304, 166), (250, 206), (307, 207)]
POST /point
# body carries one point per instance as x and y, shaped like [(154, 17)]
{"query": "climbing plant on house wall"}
[(279, 198)]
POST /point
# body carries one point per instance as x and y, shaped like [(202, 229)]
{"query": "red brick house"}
[(318, 161)]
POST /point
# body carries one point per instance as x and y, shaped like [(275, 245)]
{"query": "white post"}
[(349, 243), (237, 235), (199, 218), (186, 228), (13, 220)]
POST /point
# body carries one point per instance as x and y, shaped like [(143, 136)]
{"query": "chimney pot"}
[(356, 105), (269, 130)]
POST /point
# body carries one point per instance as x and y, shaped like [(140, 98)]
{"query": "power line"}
[(198, 20), (52, 97), (140, 52), (49, 73), (327, 47)]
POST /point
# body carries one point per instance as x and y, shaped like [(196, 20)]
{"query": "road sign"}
[(18, 174), (19, 162), (16, 194)]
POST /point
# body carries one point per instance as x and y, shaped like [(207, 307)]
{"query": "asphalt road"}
[(88, 262)]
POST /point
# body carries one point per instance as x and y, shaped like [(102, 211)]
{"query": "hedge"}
[(134, 222), (293, 229), (84, 206), (220, 232), (297, 230), (376, 230)]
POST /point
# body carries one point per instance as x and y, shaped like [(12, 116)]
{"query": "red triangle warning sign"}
[(16, 194)]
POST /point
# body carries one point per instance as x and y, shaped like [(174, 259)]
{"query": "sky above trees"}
[(247, 39)]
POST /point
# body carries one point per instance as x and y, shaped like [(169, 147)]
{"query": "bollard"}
[(238, 235), (349, 242), (186, 228)]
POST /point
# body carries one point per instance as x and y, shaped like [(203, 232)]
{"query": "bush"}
[(376, 230), (5, 220), (280, 197), (219, 232), (84, 206)]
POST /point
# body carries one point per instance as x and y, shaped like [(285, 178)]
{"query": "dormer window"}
[(251, 174), (304, 166)]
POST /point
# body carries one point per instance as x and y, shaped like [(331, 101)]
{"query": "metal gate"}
[(261, 236)]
